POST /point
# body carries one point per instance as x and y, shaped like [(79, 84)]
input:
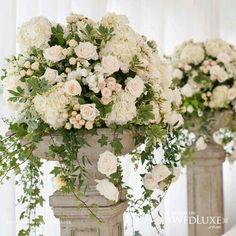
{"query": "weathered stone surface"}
[(205, 192), (76, 221)]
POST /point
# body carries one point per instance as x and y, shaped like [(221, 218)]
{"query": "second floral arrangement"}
[(205, 72)]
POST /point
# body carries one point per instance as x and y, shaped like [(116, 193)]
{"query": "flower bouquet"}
[(205, 72), (84, 94)]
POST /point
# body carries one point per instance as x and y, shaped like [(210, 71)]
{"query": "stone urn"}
[(76, 221)]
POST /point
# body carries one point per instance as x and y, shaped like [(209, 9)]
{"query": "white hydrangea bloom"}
[(123, 109), (52, 105), (34, 33), (219, 96), (192, 54), (216, 46)]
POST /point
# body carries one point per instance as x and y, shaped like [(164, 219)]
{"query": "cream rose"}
[(220, 96), (110, 64), (72, 87), (201, 144), (51, 76), (219, 73), (149, 182), (174, 119), (107, 189), (187, 90), (107, 163), (106, 92), (58, 182), (54, 53), (231, 94), (135, 86), (177, 74), (89, 111), (86, 50), (160, 172)]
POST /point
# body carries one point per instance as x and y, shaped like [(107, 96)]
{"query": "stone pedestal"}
[(205, 192), (76, 221)]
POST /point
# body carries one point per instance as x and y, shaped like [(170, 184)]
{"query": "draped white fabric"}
[(168, 22)]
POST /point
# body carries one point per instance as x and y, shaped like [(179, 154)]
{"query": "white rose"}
[(187, 90), (72, 87), (89, 125), (174, 119), (231, 94), (223, 57), (86, 50), (34, 33), (54, 53), (106, 92), (107, 189), (220, 96), (135, 86), (160, 172), (51, 76), (177, 74), (107, 163), (190, 109), (219, 73), (58, 182), (201, 144), (149, 182), (110, 64), (89, 111)]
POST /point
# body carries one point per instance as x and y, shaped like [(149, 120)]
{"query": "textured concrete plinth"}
[(205, 192), (76, 221)]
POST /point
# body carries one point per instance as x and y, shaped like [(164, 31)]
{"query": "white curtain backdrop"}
[(168, 22)]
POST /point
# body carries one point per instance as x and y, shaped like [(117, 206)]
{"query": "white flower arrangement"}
[(74, 79), (206, 75)]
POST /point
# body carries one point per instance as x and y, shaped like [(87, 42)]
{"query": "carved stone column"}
[(205, 192), (75, 221)]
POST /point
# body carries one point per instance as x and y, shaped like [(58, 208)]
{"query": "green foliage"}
[(117, 145), (37, 86), (57, 37), (103, 140), (17, 95), (145, 113)]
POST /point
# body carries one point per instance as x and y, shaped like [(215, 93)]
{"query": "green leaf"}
[(18, 129), (103, 140), (57, 37), (37, 86), (117, 145)]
